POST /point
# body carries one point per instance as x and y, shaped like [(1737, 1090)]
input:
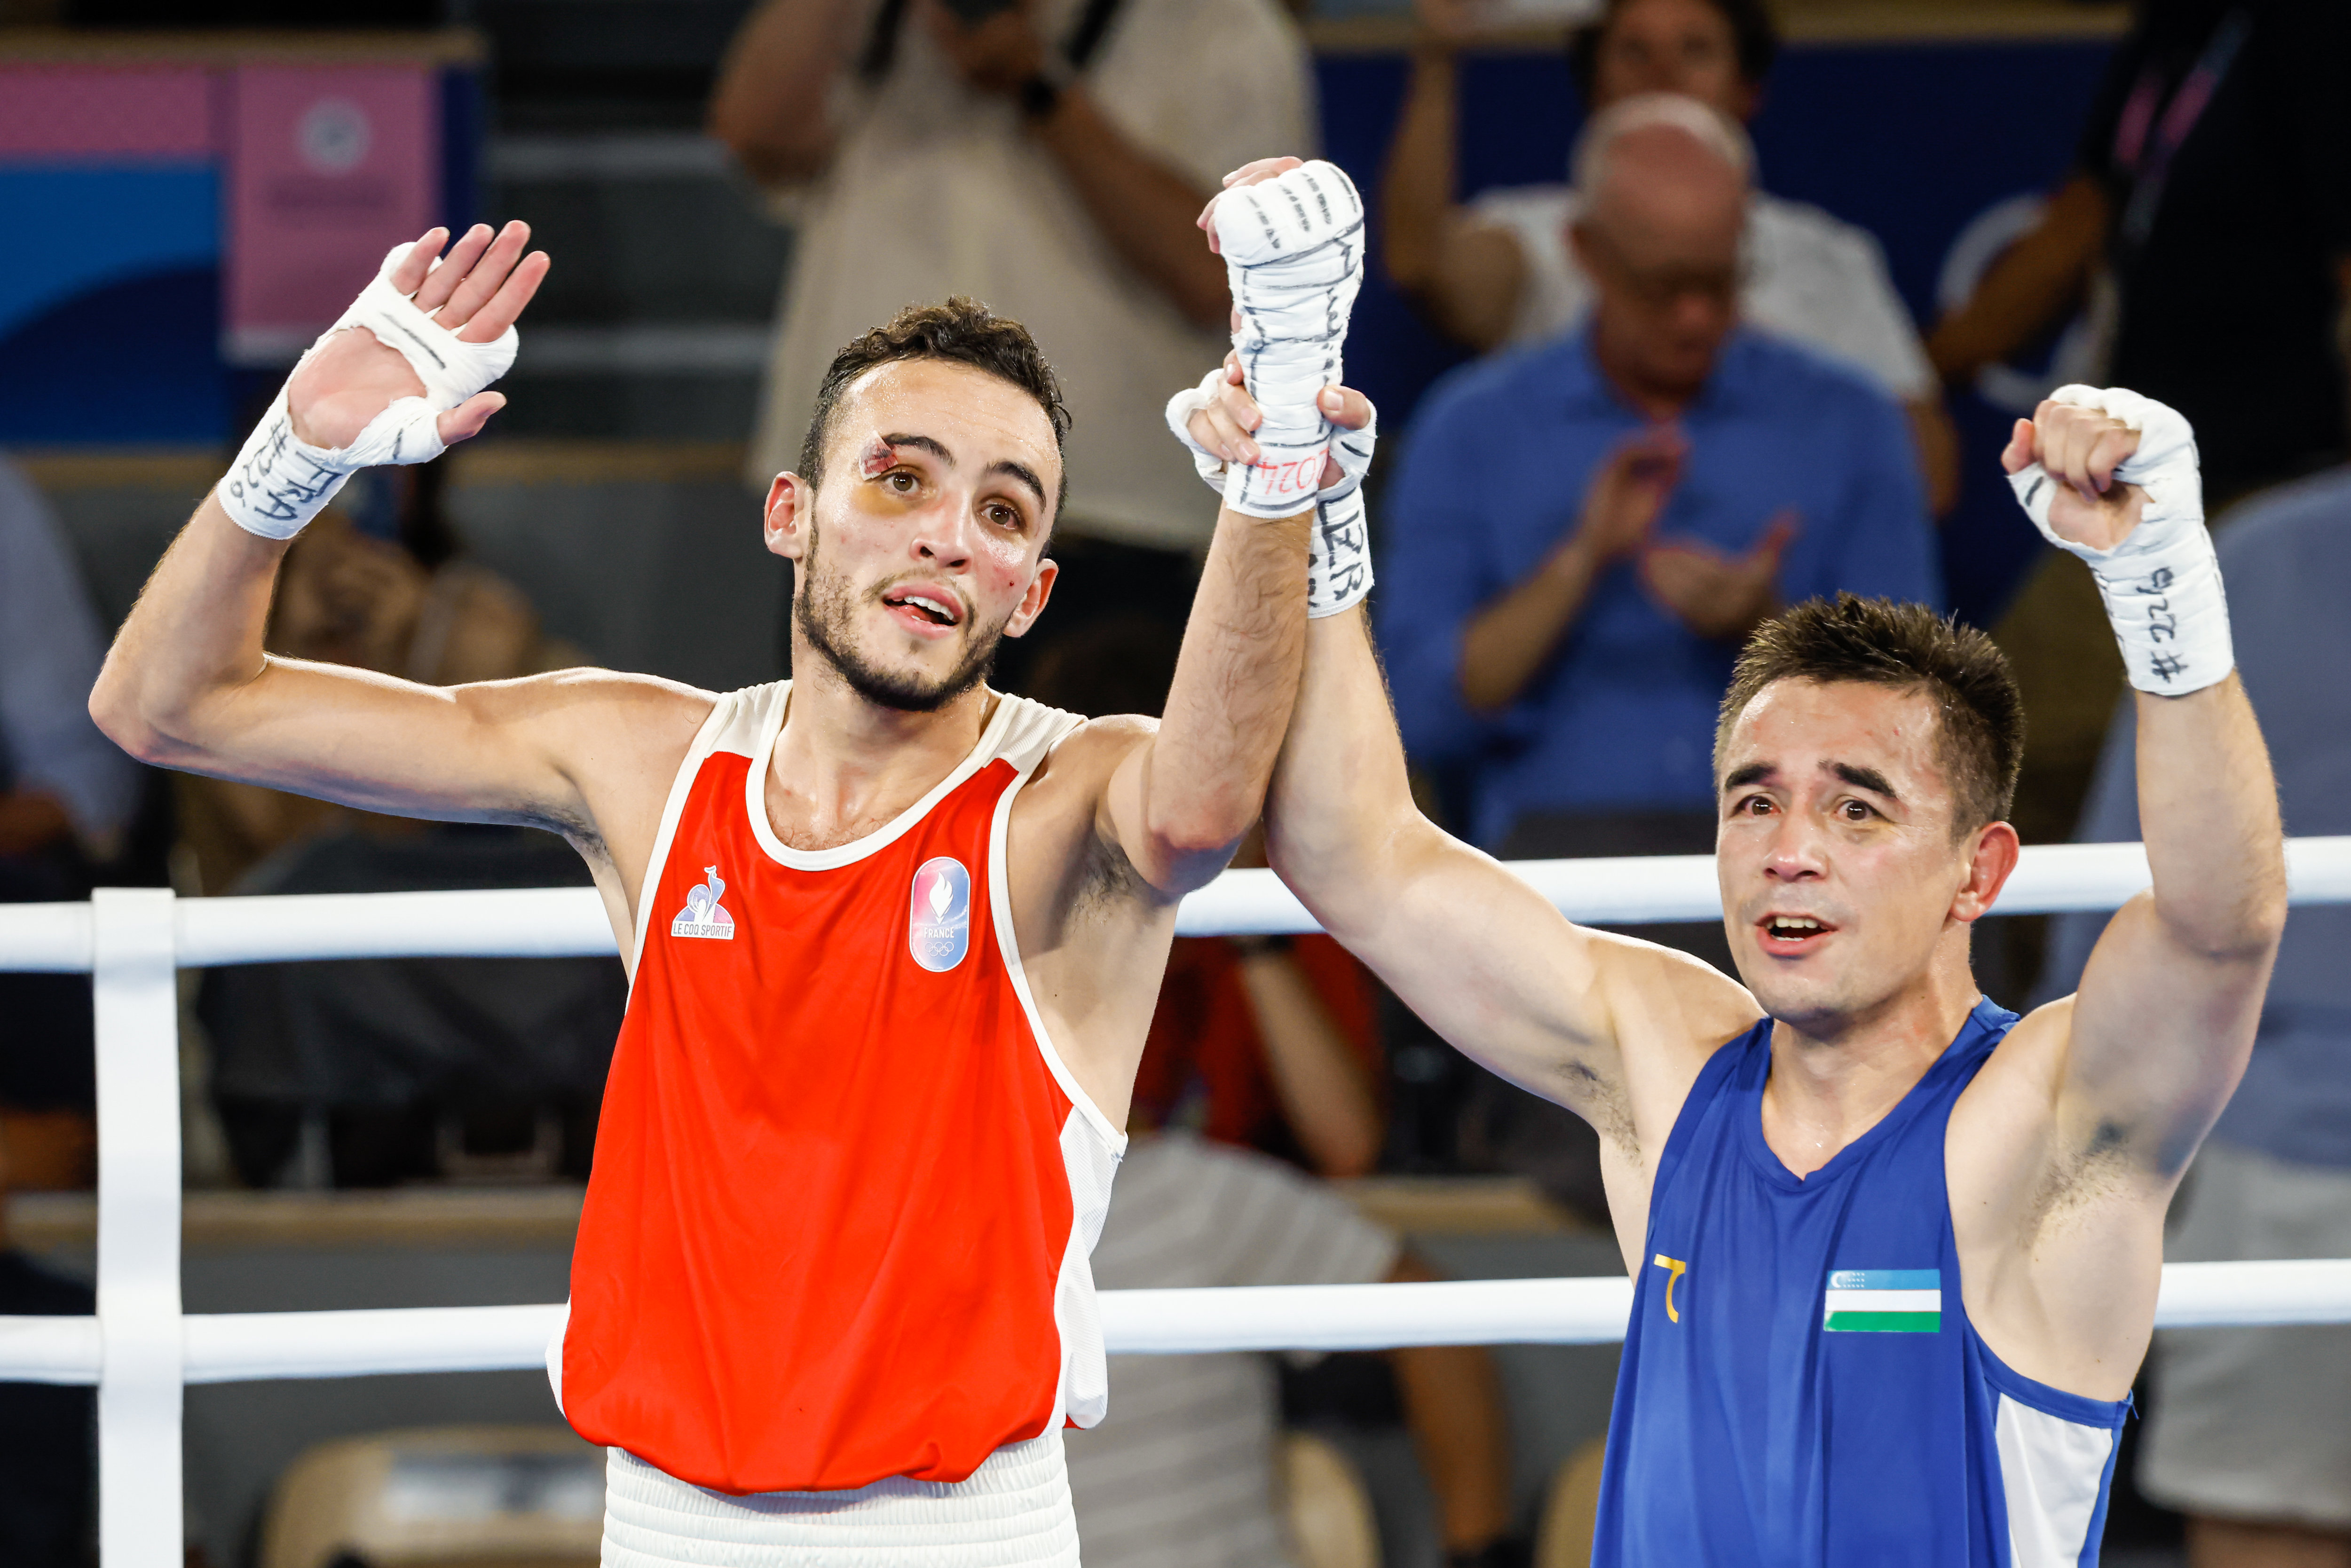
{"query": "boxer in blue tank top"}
[(1897, 1250)]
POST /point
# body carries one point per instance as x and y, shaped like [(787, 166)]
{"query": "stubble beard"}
[(825, 613)]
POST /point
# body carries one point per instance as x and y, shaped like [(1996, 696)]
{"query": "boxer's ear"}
[(1033, 603), (790, 516)]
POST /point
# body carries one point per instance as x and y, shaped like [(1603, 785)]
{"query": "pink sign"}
[(330, 167), (105, 111)]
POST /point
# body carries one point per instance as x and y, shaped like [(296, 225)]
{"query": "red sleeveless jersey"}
[(845, 1189)]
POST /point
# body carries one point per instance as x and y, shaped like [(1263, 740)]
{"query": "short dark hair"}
[(1754, 38), (1878, 643), (962, 331)]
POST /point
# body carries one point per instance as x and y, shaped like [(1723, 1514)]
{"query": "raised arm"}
[(1142, 206), (187, 683), (1468, 946), (2036, 279), (1181, 802), (1612, 1028), (1467, 277), (2161, 1028), (772, 105)]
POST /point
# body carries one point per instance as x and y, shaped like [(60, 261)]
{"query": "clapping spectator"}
[(1047, 157), (1503, 270), (1580, 535)]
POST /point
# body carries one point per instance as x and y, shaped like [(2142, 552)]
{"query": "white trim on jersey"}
[(2052, 1472), (1007, 941), (705, 741), (763, 751)]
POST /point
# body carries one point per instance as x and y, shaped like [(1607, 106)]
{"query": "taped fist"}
[(1292, 234), (2111, 476), (1215, 421)]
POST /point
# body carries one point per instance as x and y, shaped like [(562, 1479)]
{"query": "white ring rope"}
[(130, 941), (234, 1347), (563, 922)]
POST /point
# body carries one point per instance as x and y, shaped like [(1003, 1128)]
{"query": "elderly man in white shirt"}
[(1499, 271), (1047, 157)]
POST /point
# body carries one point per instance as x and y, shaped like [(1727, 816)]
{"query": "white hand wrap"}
[(2162, 584), (279, 482), (1339, 544), (1293, 250)]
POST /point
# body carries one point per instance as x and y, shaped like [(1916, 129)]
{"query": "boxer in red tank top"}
[(895, 937)]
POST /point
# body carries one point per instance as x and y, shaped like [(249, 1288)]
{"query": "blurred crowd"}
[(1687, 403)]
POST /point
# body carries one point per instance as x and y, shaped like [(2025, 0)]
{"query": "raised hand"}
[(1224, 426), (1253, 174), (1714, 594), (477, 290), (2080, 448), (1624, 499)]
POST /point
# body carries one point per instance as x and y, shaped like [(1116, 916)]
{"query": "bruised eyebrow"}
[(1861, 777), (1020, 471), (920, 443)]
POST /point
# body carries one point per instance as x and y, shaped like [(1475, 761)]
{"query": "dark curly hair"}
[(1910, 648), (1754, 38), (962, 331)]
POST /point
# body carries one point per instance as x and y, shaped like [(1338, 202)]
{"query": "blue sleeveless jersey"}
[(1801, 1386)]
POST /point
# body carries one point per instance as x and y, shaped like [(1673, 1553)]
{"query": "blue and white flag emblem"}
[(938, 924)]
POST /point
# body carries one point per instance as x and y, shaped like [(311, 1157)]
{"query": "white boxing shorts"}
[(1012, 1512)]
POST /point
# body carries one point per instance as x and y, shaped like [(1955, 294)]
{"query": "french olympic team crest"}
[(703, 915), (938, 923)]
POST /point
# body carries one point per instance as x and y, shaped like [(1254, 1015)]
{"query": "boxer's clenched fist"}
[(1291, 234), (2079, 450), (1218, 421), (1222, 418), (2111, 476)]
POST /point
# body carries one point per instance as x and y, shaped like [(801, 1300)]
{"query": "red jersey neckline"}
[(755, 792)]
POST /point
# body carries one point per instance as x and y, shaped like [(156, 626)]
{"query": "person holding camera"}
[(1049, 157)]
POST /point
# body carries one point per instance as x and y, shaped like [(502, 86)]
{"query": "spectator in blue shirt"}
[(1581, 533), (2248, 1432)]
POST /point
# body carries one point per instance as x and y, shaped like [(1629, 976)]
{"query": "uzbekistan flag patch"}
[(1883, 1301)]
